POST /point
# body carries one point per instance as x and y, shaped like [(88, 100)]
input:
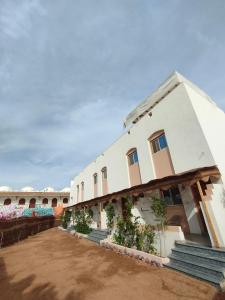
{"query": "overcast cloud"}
[(71, 70)]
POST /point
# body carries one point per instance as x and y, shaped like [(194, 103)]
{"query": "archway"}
[(22, 201), (32, 203), (45, 201), (7, 201), (54, 202), (65, 200)]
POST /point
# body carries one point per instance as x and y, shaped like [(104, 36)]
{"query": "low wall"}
[(146, 257), (12, 231)]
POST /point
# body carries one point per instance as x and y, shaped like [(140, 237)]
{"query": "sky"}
[(70, 72)]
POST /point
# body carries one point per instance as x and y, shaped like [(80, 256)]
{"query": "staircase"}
[(200, 262), (97, 235)]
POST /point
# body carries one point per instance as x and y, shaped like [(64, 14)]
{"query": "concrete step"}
[(197, 274), (93, 239), (100, 232), (198, 249), (216, 272), (191, 255), (97, 235), (199, 261)]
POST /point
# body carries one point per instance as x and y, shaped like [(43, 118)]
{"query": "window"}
[(82, 185), (133, 157), (172, 196), (54, 202), (65, 200), (7, 201), (95, 178), (32, 203), (45, 201), (104, 173), (22, 201), (159, 143)]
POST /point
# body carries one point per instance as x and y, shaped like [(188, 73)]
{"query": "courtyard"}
[(55, 265)]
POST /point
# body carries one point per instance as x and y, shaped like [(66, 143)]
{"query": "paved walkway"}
[(53, 265)]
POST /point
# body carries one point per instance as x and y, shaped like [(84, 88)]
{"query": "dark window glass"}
[(133, 158), (162, 141), (159, 143), (172, 196), (104, 173), (95, 179)]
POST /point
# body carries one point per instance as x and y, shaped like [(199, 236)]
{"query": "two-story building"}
[(173, 147)]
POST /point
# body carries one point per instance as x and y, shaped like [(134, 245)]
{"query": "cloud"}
[(70, 71)]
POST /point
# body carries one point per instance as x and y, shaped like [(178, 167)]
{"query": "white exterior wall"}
[(212, 122), (187, 144)]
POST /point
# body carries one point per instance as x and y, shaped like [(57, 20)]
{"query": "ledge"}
[(146, 257)]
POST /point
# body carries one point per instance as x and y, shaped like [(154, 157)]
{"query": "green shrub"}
[(110, 214), (82, 220), (130, 233), (65, 218)]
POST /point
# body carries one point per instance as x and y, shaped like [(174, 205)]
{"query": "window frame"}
[(156, 145), (133, 157)]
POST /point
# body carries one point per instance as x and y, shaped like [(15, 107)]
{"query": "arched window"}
[(161, 155), (7, 201), (82, 191), (78, 192), (133, 166), (54, 202), (22, 201), (65, 200), (104, 181), (95, 176), (32, 203), (45, 201)]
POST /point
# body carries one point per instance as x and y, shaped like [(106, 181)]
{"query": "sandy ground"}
[(54, 265)]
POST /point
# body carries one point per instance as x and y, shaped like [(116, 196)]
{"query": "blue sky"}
[(70, 71)]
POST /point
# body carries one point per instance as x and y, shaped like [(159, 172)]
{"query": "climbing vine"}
[(110, 214), (83, 219), (130, 233)]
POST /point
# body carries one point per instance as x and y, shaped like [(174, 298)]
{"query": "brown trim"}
[(207, 214), (186, 178), (156, 135), (131, 151)]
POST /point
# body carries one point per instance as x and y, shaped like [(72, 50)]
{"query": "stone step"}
[(93, 239), (198, 257), (100, 233), (216, 272), (103, 235), (197, 274), (201, 250)]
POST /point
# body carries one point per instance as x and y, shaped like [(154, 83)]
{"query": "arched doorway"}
[(32, 203), (65, 200), (45, 201), (7, 201), (22, 201), (54, 202)]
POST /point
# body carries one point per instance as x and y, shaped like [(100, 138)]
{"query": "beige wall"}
[(134, 173), (162, 163)]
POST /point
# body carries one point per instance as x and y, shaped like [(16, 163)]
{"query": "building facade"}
[(28, 197), (171, 148)]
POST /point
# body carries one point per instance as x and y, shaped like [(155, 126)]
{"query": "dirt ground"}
[(54, 265)]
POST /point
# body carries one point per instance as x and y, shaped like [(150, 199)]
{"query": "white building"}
[(173, 146), (29, 197)]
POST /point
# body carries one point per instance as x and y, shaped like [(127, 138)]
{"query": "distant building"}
[(173, 148), (28, 197)]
